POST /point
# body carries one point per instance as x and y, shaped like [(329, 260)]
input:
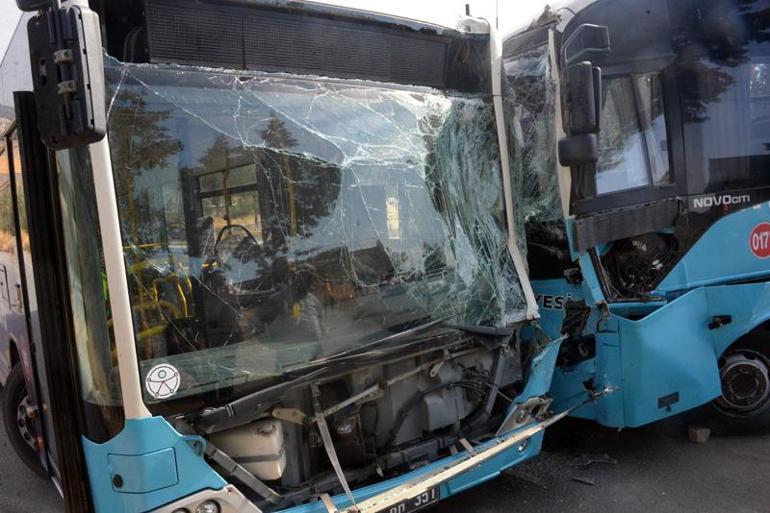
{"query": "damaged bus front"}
[(292, 279), (647, 237)]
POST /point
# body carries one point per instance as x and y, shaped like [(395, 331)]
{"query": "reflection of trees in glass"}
[(139, 141), (276, 136), (285, 194), (724, 31), (308, 188), (7, 239)]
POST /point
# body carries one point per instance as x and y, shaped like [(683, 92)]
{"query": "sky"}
[(512, 13)]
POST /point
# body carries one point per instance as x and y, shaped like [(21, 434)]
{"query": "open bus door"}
[(22, 402), (54, 350)]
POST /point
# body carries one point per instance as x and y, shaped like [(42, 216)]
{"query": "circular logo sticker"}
[(759, 242), (162, 381)]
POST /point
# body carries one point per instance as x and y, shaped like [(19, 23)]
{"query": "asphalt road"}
[(654, 469)]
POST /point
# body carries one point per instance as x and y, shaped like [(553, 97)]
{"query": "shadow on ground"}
[(655, 469)]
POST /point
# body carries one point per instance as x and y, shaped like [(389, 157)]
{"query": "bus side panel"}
[(669, 363), (736, 247), (747, 306)]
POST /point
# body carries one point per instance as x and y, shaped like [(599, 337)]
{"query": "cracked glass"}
[(531, 103), (269, 220)]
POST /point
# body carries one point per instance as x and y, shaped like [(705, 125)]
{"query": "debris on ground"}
[(698, 434), (584, 480), (585, 460)]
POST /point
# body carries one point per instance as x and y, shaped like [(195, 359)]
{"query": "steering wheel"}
[(244, 270), (242, 247)]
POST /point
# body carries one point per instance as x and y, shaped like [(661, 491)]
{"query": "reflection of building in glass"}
[(303, 215), (394, 228)]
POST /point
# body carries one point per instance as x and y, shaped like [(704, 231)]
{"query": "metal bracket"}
[(326, 437), (234, 469), (67, 73), (533, 409)]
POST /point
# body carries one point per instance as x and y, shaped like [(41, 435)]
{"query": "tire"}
[(14, 399), (744, 407)]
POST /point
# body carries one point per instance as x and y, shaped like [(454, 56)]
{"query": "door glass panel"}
[(633, 146), (41, 393), (6, 230), (6, 204)]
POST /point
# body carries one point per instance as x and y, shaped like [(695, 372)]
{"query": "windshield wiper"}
[(485, 331), (247, 408), (370, 346), (253, 405)]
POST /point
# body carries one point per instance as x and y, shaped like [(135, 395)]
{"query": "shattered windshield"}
[(269, 220), (531, 107)]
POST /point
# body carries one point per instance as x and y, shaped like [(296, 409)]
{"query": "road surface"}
[(653, 469)]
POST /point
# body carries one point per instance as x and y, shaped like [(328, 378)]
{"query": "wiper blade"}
[(247, 408), (486, 331), (365, 348)]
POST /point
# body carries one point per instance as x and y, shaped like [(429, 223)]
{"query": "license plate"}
[(428, 497)]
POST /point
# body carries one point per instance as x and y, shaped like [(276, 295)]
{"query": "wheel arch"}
[(13, 353), (756, 338), (10, 353)]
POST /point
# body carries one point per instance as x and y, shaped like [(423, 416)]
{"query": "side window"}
[(7, 236), (633, 145), (727, 121), (20, 198)]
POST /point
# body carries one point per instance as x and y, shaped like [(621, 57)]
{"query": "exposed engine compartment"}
[(399, 412), (637, 264)]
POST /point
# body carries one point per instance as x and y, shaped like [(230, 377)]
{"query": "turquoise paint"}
[(748, 305), (156, 463), (541, 372), (551, 319), (722, 254), (146, 472), (159, 466), (656, 349), (670, 351), (484, 472), (650, 351)]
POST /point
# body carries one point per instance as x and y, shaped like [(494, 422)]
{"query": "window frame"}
[(693, 136), (651, 192)]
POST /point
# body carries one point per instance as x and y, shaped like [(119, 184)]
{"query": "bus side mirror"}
[(67, 74), (583, 97), (583, 115), (585, 40), (32, 5), (579, 149)]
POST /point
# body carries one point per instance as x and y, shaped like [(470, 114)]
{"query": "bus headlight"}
[(208, 507)]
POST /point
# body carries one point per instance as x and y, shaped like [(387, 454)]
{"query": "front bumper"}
[(385, 497)]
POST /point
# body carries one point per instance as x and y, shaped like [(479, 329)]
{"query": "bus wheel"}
[(744, 406), (18, 426)]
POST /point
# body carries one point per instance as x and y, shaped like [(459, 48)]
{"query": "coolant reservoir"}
[(258, 447)]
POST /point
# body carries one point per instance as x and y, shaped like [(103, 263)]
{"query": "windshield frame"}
[(335, 82)]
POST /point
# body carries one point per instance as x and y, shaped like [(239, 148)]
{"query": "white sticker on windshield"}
[(162, 381)]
